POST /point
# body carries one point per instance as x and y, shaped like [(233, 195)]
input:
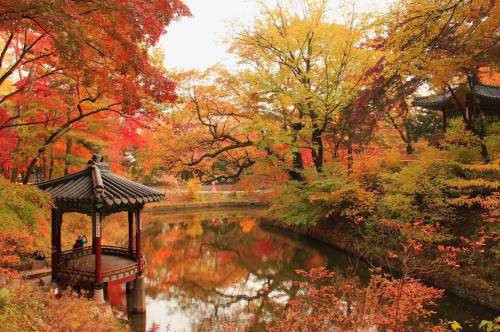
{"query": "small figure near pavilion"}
[(78, 245)]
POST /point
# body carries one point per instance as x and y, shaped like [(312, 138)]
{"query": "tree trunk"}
[(51, 164), (476, 112), (409, 148), (297, 166), (69, 145), (297, 163), (350, 160), (13, 175), (318, 149), (31, 166)]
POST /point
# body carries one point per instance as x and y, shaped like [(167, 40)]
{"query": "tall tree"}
[(307, 71)]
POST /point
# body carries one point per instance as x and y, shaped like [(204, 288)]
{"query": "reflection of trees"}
[(229, 270)]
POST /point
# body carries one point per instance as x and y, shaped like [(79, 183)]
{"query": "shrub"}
[(24, 227), (22, 207), (25, 307), (329, 195), (329, 302), (462, 145), (418, 191)]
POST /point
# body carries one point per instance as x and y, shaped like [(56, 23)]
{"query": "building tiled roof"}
[(486, 93), (98, 186), (434, 101), (489, 92)]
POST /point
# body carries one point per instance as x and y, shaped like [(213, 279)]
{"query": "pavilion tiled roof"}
[(97, 185), (486, 93)]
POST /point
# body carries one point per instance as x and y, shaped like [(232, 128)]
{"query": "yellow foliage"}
[(193, 187), (455, 326), (420, 35), (194, 228)]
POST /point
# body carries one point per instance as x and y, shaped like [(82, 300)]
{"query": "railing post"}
[(138, 247)]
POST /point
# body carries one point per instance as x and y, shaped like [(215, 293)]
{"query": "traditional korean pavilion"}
[(97, 192), (486, 97)]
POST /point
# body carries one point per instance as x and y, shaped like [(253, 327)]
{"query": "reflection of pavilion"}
[(96, 191)]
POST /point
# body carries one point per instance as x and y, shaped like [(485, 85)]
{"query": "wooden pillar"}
[(130, 231), (138, 247), (129, 288), (98, 285), (53, 243), (59, 235), (93, 232)]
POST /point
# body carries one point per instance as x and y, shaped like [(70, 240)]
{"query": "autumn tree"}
[(207, 133), (62, 62), (307, 73)]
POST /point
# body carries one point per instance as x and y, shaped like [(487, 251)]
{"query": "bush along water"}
[(434, 217)]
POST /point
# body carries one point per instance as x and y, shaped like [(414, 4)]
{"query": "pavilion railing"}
[(74, 253), (105, 250), (76, 273), (118, 251)]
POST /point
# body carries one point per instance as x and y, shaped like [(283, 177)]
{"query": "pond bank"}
[(463, 285), (195, 206)]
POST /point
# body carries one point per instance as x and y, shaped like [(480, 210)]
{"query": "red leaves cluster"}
[(332, 302), (67, 60)]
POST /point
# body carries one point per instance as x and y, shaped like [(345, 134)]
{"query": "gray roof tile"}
[(83, 188)]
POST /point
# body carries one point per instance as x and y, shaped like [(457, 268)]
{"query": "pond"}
[(218, 271)]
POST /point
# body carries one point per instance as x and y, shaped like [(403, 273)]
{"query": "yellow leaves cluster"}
[(438, 39), (473, 183)]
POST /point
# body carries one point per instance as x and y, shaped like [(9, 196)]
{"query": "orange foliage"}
[(13, 247), (28, 308), (331, 301)]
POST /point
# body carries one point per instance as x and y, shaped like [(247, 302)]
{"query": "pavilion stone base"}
[(99, 296), (139, 298)]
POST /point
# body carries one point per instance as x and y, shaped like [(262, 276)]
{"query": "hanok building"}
[(480, 101), (97, 192)]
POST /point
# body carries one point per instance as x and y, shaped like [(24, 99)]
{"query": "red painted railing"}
[(106, 250)]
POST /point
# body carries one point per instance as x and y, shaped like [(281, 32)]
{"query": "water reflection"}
[(220, 272), (215, 273)]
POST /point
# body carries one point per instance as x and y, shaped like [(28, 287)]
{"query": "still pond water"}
[(217, 271)]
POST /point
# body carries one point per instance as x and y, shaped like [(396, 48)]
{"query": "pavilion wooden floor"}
[(109, 262)]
